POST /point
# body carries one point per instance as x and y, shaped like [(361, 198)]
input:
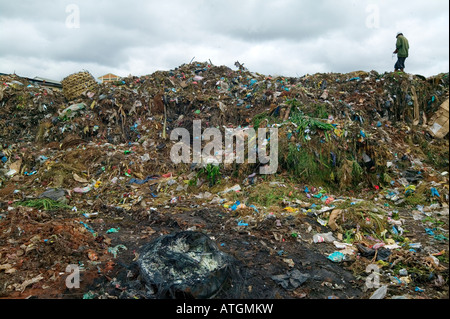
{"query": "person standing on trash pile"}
[(402, 51)]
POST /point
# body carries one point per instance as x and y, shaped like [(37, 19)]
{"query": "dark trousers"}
[(400, 65)]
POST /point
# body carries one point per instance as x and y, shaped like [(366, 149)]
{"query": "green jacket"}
[(402, 47)]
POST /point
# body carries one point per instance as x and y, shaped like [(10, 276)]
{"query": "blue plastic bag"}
[(434, 192), (336, 257)]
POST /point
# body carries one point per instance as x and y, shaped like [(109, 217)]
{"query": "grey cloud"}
[(284, 36)]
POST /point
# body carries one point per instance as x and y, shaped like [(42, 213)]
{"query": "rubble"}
[(86, 179)]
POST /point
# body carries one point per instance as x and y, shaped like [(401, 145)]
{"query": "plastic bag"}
[(326, 237), (380, 293)]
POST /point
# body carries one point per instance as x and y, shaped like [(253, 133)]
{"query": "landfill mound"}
[(86, 179)]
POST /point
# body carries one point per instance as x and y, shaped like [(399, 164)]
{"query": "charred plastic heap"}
[(334, 129)]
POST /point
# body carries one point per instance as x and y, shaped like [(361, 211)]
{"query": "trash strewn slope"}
[(362, 181)]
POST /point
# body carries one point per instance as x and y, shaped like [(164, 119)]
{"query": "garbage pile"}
[(363, 174), (335, 128)]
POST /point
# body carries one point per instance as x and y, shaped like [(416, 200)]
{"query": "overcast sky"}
[(54, 39)]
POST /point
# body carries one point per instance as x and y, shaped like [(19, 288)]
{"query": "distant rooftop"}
[(38, 80), (109, 78)]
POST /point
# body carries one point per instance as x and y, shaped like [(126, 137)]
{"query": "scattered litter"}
[(115, 250), (380, 293), (362, 169)]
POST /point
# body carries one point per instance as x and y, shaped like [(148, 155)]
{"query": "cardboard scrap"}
[(439, 123)]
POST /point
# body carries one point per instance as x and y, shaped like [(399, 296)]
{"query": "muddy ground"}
[(275, 245)]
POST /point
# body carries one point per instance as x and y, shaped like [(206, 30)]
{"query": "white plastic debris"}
[(380, 293)]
